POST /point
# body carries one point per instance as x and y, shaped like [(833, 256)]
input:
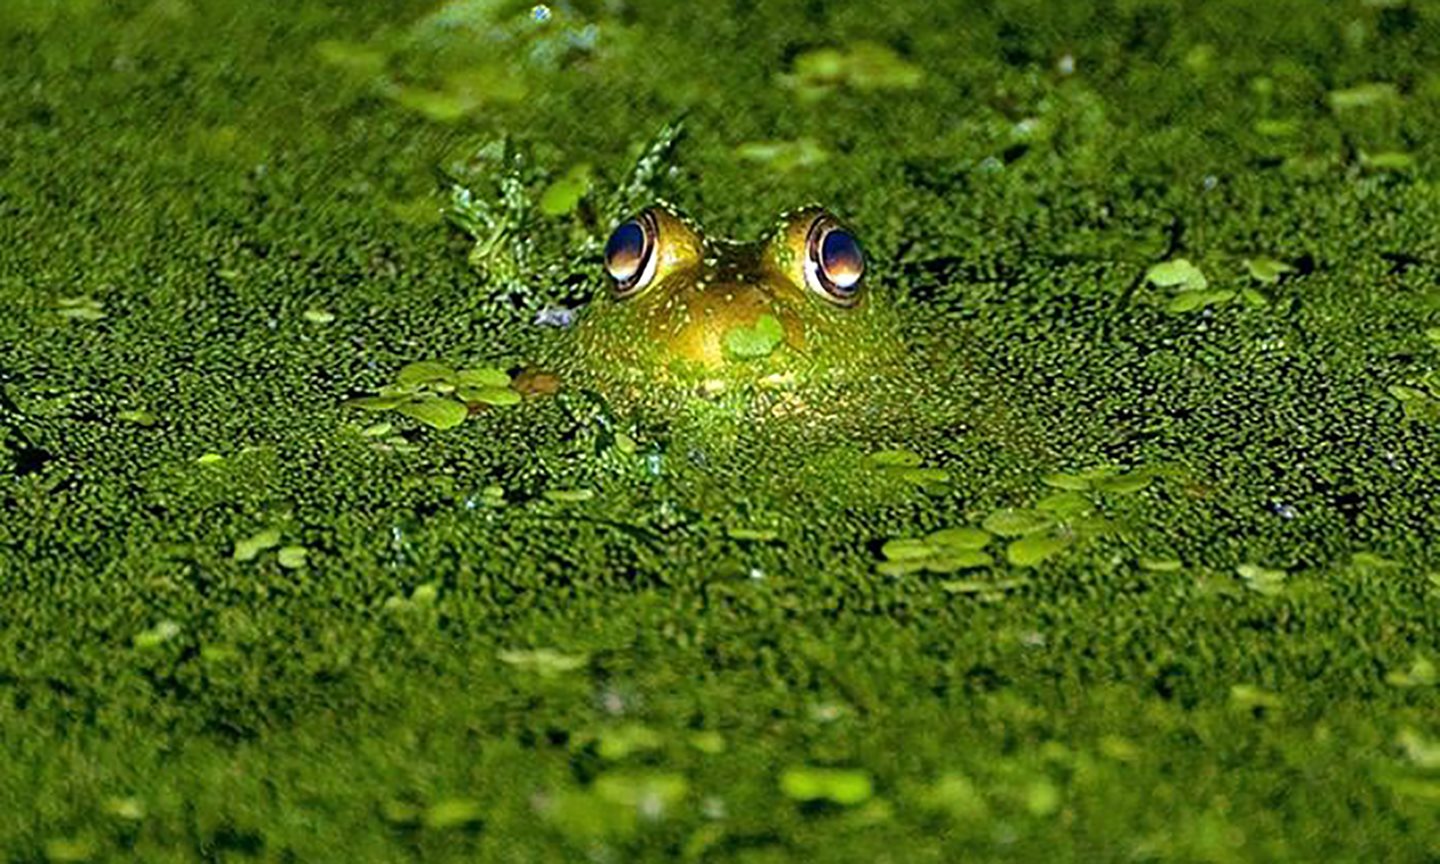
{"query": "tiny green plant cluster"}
[(438, 395), (908, 466), (1033, 535), (1193, 290)]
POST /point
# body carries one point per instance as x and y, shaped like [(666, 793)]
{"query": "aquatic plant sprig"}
[(1032, 535), (440, 396), (530, 227)]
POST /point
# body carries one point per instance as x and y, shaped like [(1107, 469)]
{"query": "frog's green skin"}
[(667, 343)]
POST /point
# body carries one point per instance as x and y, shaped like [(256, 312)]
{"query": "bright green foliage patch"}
[(756, 341), (438, 395)]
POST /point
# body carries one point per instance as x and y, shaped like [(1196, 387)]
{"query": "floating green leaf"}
[(545, 662), (1421, 673), (749, 343), (69, 850), (80, 308), (1124, 484), (620, 742), (1249, 697), (1012, 522), (955, 795), (981, 586), (318, 316), (758, 535), (1372, 561), (1189, 301), (1418, 404), (650, 793), (1177, 273), (453, 813), (708, 741), (837, 785), (784, 155), (489, 395), (138, 417), (964, 537), (1064, 504), (563, 195), (930, 479), (894, 459), (864, 66), (1041, 797), (1072, 482), (161, 633), (1364, 96), (292, 557), (1420, 751), (958, 559), (903, 549), (398, 812), (436, 412), (1390, 160), (482, 376), (1267, 270), (1159, 565), (425, 594), (1413, 787), (1276, 128), (902, 567), (126, 807), (247, 549), (1262, 580), (425, 372), (1032, 549), (569, 496)]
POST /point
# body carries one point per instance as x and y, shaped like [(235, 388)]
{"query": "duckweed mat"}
[(1135, 556)]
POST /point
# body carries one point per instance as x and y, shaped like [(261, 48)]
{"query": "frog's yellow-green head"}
[(711, 317)]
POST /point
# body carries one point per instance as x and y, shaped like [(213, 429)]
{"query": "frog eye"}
[(834, 264), (630, 254)]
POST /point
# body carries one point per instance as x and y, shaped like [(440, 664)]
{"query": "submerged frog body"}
[(697, 317)]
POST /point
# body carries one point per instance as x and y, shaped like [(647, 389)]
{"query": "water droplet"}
[(555, 316), (1283, 510)]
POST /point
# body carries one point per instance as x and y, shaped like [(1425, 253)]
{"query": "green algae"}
[(223, 214)]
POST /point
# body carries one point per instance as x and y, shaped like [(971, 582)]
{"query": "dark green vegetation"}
[(237, 626)]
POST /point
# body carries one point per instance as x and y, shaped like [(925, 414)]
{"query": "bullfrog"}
[(687, 316)]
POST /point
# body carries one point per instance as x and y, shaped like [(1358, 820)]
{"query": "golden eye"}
[(630, 254), (834, 264)]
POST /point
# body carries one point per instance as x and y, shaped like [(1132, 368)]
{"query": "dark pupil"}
[(625, 251), (841, 258)]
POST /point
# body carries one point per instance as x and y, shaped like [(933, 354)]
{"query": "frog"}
[(684, 316)]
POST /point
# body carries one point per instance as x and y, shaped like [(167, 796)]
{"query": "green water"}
[(243, 619)]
